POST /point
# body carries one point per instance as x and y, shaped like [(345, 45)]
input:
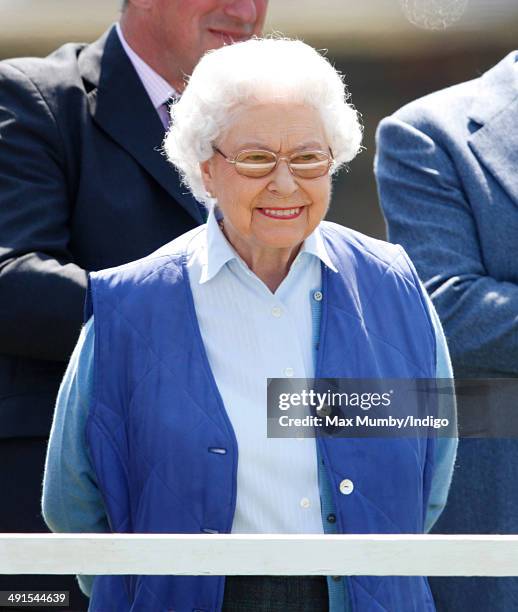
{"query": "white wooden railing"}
[(401, 555)]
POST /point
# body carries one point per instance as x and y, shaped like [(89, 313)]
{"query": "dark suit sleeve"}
[(42, 289), (427, 212)]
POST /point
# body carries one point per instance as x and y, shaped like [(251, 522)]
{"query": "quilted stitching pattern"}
[(160, 360)]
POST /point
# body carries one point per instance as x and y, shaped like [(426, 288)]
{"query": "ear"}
[(206, 170)]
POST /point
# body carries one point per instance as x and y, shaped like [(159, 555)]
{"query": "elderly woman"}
[(160, 424)]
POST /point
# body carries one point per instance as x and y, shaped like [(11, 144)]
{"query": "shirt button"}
[(346, 486), (331, 518), (317, 296), (305, 503), (276, 312), (288, 372), (337, 578)]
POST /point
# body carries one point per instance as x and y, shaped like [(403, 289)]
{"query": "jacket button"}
[(331, 518), (346, 486)]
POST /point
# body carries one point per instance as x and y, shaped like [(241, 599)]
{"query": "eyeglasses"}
[(259, 163)]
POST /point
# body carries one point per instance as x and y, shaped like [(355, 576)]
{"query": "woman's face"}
[(249, 205)]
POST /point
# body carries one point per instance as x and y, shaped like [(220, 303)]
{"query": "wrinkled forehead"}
[(274, 126)]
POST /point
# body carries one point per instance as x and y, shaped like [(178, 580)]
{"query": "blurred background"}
[(391, 52)]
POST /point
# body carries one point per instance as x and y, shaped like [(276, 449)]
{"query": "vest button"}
[(325, 411), (346, 486), (331, 518)]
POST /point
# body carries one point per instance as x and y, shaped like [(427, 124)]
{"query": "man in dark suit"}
[(448, 183), (83, 186)]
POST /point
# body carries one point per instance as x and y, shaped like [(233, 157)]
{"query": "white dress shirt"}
[(251, 334)]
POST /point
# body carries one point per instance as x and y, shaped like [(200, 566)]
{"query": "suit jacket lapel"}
[(495, 143), (120, 105)]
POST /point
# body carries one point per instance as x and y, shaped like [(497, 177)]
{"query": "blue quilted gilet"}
[(157, 416)]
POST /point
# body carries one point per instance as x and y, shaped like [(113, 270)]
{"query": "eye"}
[(255, 157), (308, 157)]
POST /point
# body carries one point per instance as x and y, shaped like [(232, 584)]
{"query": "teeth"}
[(287, 212)]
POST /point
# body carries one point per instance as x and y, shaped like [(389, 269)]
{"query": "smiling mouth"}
[(281, 213)]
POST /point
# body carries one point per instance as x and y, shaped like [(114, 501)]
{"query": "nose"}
[(282, 181), (242, 10)]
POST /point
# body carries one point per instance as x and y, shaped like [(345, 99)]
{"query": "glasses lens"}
[(310, 164), (255, 163)]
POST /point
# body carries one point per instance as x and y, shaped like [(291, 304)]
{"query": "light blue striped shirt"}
[(250, 334)]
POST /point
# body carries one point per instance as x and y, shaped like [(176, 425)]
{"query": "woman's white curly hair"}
[(260, 70)]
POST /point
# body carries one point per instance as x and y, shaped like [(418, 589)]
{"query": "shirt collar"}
[(314, 245), (157, 88), (218, 250)]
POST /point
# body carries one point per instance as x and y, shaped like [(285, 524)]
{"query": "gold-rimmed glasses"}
[(258, 163)]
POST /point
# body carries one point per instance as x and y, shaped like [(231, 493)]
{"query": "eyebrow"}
[(311, 144)]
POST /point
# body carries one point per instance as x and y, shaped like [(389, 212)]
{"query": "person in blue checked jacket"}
[(160, 425)]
